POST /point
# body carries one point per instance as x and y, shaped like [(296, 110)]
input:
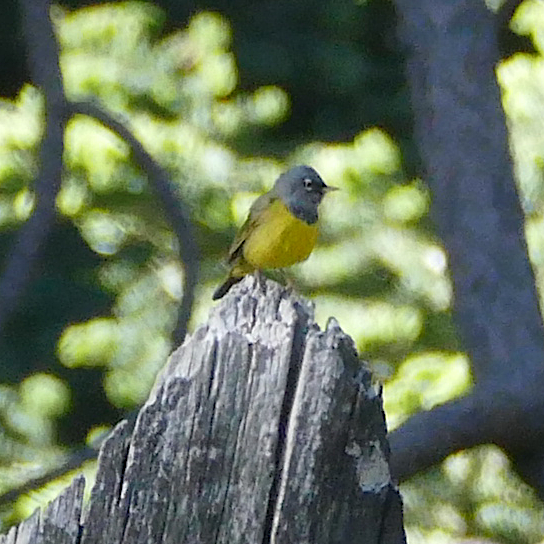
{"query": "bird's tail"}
[(225, 286)]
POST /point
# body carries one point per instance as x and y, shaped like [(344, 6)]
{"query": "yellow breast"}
[(279, 239)]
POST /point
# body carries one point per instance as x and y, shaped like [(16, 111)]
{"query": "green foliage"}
[(522, 80), (423, 381), (472, 493), (96, 326)]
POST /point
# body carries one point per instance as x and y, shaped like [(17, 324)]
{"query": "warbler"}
[(281, 228)]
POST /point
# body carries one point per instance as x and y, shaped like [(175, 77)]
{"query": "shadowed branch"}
[(176, 211), (43, 64)]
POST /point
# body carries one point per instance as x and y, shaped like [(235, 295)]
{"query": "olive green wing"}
[(254, 217)]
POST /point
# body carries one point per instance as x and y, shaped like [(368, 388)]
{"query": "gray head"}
[(301, 189)]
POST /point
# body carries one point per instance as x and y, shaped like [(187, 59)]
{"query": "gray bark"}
[(462, 138), (43, 64), (461, 134), (261, 429)]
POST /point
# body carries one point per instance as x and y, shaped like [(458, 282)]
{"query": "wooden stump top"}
[(261, 429)]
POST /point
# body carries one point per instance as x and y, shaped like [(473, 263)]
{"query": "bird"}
[(281, 228)]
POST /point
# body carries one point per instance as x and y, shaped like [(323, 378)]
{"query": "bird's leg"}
[(288, 280), (259, 276)]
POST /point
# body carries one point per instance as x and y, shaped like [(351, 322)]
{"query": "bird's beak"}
[(329, 188)]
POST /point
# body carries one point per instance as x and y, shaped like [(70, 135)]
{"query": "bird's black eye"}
[(308, 184)]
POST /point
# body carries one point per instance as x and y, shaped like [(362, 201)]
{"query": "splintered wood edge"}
[(260, 367), (59, 522)]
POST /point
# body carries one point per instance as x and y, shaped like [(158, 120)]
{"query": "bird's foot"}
[(287, 280), (261, 280)]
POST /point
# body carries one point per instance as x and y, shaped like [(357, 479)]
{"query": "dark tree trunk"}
[(460, 130)]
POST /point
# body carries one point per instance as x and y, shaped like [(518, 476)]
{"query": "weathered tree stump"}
[(261, 429)]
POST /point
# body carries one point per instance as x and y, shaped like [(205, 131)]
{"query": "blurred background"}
[(225, 95)]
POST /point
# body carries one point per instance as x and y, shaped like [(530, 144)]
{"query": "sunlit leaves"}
[(269, 105), (407, 203), (45, 394), (21, 121), (473, 493), (376, 152), (373, 323), (522, 81), (120, 27), (210, 32), (20, 130), (423, 381), (90, 344), (529, 20)]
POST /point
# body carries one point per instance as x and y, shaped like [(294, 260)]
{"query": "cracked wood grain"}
[(262, 428)]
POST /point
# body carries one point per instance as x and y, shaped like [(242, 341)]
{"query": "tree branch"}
[(43, 64), (509, 418), (428, 437), (43, 58), (44, 67), (73, 461), (176, 211), (461, 135)]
